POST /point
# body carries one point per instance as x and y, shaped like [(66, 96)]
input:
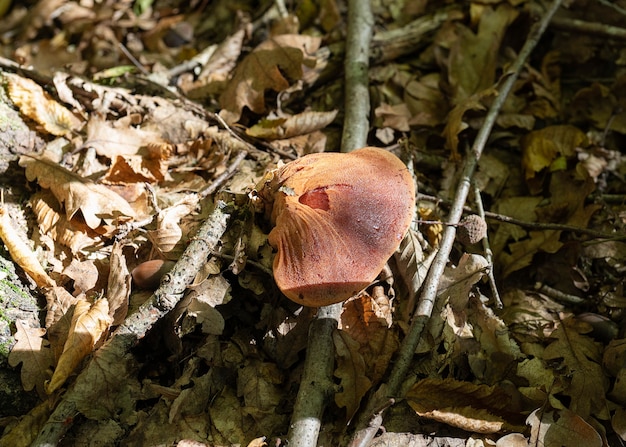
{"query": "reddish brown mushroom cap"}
[(338, 218)]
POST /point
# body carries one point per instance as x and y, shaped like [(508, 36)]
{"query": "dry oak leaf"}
[(21, 253), (89, 324), (351, 372), (36, 104), (471, 407), (581, 358), (273, 65), (35, 355), (561, 428), (96, 202)]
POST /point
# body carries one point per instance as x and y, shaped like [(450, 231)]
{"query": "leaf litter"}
[(144, 106)]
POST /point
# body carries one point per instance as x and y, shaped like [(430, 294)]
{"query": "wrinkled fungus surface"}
[(338, 218)]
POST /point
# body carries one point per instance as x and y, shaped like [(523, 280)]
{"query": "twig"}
[(429, 291), (356, 93), (316, 385), (134, 328), (210, 189), (593, 28), (488, 254), (531, 225)]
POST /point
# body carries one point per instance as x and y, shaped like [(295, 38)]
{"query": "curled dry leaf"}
[(21, 253), (471, 407), (300, 124), (89, 324), (339, 217), (36, 104), (118, 288), (96, 202), (52, 222)]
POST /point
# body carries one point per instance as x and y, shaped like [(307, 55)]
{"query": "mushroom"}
[(338, 218)]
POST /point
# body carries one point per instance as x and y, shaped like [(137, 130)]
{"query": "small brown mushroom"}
[(338, 218)]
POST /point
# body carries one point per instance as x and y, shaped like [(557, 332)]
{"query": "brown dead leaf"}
[(351, 372), (118, 138), (96, 202), (36, 104), (27, 429), (273, 65), (83, 273), (471, 407), (581, 358), (118, 289), (296, 125), (89, 324), (261, 386), (21, 253), (149, 165), (168, 235), (52, 222), (473, 56), (35, 355), (562, 428), (372, 331)]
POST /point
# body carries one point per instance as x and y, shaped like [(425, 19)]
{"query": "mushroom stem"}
[(316, 386)]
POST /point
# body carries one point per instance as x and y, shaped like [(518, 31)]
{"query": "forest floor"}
[(141, 136)]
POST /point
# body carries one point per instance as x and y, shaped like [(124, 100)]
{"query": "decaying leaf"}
[(21, 253), (36, 104), (273, 65), (581, 356), (475, 408), (563, 428), (351, 373), (89, 324), (35, 355), (95, 202), (293, 126), (118, 288)]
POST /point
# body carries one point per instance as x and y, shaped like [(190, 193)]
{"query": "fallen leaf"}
[(351, 372), (475, 408), (21, 253), (89, 324), (36, 104), (273, 65), (296, 125), (118, 288), (96, 202), (561, 428), (35, 355)]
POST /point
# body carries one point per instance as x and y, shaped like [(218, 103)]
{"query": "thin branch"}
[(134, 328), (316, 386), (356, 93), (429, 291)]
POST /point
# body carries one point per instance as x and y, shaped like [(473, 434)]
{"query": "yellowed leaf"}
[(36, 104), (89, 324), (35, 355), (21, 253), (541, 148), (96, 202), (351, 372), (27, 429)]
